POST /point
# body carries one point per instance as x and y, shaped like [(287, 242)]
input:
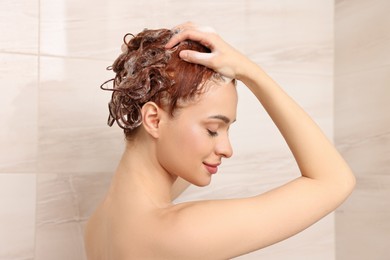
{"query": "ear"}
[(151, 115)]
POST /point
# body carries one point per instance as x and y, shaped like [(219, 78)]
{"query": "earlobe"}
[(151, 118)]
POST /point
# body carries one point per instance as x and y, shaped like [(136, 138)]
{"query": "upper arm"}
[(223, 229)]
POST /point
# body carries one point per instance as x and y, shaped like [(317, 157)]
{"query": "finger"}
[(201, 58), (189, 25), (181, 27), (190, 34)]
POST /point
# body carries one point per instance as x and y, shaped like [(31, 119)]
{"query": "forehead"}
[(217, 98)]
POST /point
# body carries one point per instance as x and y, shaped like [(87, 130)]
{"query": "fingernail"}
[(183, 55), (176, 31)]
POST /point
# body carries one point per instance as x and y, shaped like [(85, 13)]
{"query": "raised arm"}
[(316, 157), (227, 228)]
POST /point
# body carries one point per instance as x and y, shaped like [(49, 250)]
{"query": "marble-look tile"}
[(90, 190), (362, 223), (364, 137), (65, 198), (293, 37), (62, 241), (362, 35), (17, 216), (362, 126), (67, 30), (367, 154), (366, 214), (19, 26), (316, 242), (255, 135), (73, 111), (57, 201), (18, 113), (366, 96), (64, 203)]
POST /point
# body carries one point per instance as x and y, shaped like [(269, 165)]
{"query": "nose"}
[(224, 147)]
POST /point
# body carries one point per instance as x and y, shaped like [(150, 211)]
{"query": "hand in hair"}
[(223, 58)]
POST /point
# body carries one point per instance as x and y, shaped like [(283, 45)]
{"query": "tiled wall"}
[(362, 126), (57, 154)]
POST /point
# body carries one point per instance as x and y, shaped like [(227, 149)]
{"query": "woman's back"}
[(120, 228)]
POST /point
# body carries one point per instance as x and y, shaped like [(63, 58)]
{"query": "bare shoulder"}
[(95, 236), (213, 229)]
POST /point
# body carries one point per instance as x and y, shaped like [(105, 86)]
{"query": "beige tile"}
[(64, 203), (62, 241), (362, 126), (64, 198), (90, 190), (18, 113), (19, 26), (363, 227), (57, 202), (367, 154), (290, 37), (362, 35), (67, 30), (314, 93), (361, 100), (315, 242), (70, 95), (73, 111), (17, 216)]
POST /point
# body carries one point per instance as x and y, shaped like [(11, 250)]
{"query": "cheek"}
[(183, 146), (182, 151), (191, 140), (191, 133)]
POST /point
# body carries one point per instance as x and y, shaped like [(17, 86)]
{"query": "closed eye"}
[(212, 133)]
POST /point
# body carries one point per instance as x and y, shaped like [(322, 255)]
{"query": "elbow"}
[(348, 183), (352, 182)]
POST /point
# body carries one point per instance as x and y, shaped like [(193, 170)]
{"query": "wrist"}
[(248, 71)]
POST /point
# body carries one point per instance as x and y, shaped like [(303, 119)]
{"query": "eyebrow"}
[(221, 117)]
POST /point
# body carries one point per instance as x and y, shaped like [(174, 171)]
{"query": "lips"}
[(211, 168)]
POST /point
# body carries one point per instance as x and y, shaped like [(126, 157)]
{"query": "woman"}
[(177, 128)]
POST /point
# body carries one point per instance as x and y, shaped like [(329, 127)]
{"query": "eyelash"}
[(211, 133)]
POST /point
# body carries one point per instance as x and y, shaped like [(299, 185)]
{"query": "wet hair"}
[(147, 71)]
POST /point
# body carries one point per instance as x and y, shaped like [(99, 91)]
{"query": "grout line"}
[(53, 55), (18, 53), (75, 57), (37, 126)]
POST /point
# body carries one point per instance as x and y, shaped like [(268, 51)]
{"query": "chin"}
[(202, 183)]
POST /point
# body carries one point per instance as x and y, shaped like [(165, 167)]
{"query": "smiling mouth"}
[(211, 168)]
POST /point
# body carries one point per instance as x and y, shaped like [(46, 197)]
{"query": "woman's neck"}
[(140, 174)]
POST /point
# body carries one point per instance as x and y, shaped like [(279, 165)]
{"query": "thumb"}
[(201, 58)]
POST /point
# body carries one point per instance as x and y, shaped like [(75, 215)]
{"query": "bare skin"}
[(138, 220)]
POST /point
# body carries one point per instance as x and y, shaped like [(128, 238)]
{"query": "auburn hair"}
[(147, 71)]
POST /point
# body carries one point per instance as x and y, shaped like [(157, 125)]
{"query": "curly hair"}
[(147, 71)]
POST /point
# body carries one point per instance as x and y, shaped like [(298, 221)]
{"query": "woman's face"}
[(192, 144)]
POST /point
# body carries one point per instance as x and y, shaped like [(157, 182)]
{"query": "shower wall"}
[(362, 126), (57, 155)]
